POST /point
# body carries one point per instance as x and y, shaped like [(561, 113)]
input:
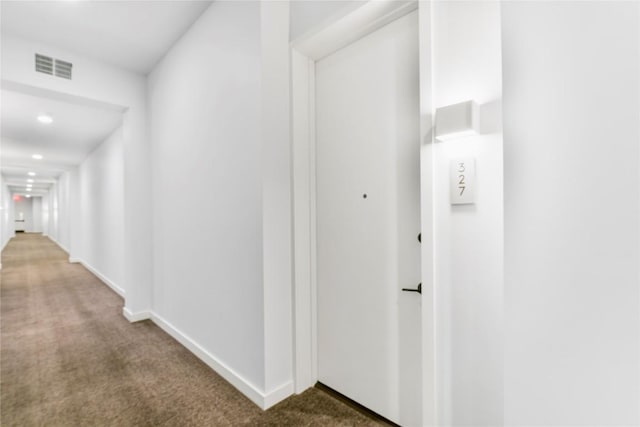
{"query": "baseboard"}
[(73, 260), (135, 317), (263, 400), (4, 245), (58, 243), (110, 283), (278, 394)]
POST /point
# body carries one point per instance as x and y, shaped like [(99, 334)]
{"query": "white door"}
[(368, 220)]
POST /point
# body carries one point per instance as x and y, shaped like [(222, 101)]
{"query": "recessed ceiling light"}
[(45, 118), (37, 156), (29, 185), (31, 174), (28, 195), (28, 189), (29, 180)]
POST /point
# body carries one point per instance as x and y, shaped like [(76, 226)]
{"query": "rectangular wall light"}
[(457, 120)]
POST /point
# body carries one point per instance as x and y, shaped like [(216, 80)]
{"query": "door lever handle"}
[(418, 290)]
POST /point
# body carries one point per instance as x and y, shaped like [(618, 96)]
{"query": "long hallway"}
[(68, 357)]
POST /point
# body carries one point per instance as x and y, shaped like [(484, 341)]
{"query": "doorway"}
[(368, 221)]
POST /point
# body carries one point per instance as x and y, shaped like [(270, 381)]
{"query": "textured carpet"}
[(69, 358)]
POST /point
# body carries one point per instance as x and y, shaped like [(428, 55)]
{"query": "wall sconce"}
[(457, 120)]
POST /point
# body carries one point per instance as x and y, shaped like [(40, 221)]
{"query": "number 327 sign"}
[(462, 181)]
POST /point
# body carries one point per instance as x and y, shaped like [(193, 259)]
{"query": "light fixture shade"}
[(457, 120)]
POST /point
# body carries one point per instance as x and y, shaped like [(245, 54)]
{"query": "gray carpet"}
[(69, 358)]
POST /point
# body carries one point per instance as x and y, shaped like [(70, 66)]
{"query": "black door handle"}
[(418, 290)]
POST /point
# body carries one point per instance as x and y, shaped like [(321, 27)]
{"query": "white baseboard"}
[(135, 317), (110, 283), (4, 245), (278, 394), (73, 260), (58, 243), (263, 400)]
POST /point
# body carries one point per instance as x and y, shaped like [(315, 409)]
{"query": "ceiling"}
[(75, 132), (131, 34)]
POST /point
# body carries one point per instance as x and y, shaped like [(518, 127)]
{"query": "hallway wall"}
[(6, 215), (45, 214), (218, 119), (572, 298), (52, 205), (36, 214), (84, 212), (204, 107), (62, 234), (469, 238), (101, 181)]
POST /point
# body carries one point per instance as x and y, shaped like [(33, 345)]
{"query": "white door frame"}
[(304, 54)]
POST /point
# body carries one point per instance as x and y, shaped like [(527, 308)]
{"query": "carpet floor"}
[(69, 358)]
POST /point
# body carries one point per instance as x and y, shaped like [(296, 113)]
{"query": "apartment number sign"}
[(463, 181)]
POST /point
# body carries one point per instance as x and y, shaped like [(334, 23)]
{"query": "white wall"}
[(219, 125), (23, 209), (6, 214), (204, 105), (53, 207), (76, 236), (469, 238), (62, 235), (36, 215), (45, 214), (276, 198), (572, 123), (97, 83), (64, 225), (101, 204), (8, 226)]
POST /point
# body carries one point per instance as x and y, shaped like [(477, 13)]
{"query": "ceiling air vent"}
[(51, 66), (63, 69), (44, 64)]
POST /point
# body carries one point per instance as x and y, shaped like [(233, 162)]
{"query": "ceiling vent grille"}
[(53, 67), (44, 64), (63, 69)]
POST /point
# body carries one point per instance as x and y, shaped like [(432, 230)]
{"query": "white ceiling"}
[(75, 132), (133, 35), (130, 34)]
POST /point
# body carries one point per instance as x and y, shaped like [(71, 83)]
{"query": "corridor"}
[(69, 357)]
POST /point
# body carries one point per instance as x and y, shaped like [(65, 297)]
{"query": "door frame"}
[(305, 51)]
